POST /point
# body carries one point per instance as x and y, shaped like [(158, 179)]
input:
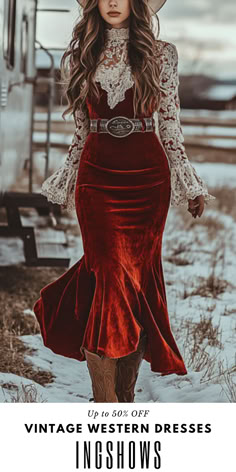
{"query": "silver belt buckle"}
[(119, 126)]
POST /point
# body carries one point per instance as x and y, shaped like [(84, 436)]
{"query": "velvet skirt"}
[(117, 288)]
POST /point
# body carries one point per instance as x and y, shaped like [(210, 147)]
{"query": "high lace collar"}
[(117, 33)]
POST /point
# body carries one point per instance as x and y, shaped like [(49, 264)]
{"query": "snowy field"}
[(199, 258)]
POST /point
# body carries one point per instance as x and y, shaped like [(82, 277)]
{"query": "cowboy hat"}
[(155, 5)]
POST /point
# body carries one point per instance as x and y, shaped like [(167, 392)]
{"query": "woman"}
[(110, 307)]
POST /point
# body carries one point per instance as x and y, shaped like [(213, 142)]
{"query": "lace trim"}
[(117, 33), (114, 72), (185, 183), (60, 186), (184, 187)]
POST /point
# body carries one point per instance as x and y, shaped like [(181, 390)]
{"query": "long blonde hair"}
[(80, 60)]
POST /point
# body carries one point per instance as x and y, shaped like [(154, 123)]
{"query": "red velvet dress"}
[(122, 193), (101, 303)]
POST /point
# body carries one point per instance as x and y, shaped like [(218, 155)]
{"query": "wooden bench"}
[(13, 201)]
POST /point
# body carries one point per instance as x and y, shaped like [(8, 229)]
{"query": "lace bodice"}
[(114, 73), (115, 77)]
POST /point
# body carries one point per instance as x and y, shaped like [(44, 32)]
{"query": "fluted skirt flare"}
[(117, 288)]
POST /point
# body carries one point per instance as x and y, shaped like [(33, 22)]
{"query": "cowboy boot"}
[(102, 372), (127, 372)]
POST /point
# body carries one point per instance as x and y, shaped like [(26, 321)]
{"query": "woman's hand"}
[(196, 206)]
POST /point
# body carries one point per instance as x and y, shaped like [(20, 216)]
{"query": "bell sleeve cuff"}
[(60, 187), (186, 185)]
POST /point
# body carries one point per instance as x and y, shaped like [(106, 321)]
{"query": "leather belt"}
[(121, 126)]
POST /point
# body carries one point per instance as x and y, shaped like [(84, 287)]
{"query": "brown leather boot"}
[(127, 372), (102, 371)]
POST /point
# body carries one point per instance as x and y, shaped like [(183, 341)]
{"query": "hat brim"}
[(155, 5)]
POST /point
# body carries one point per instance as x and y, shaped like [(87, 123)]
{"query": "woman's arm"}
[(185, 183), (60, 186)]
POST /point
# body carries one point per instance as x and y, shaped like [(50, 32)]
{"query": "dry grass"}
[(201, 333), (180, 248), (223, 375), (12, 359), (228, 312), (201, 338), (198, 337), (20, 286), (27, 394), (229, 386), (211, 287), (179, 261), (201, 350), (178, 254)]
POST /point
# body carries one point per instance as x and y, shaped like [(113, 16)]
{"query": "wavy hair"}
[(81, 58)]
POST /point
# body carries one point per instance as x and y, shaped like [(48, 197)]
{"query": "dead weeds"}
[(20, 288), (210, 287), (203, 330), (199, 336), (229, 385), (26, 394), (12, 359)]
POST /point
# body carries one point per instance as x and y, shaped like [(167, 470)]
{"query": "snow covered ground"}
[(199, 271)]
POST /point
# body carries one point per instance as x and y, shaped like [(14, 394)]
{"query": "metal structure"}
[(18, 81)]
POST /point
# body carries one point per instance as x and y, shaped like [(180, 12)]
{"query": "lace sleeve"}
[(60, 186), (185, 183)]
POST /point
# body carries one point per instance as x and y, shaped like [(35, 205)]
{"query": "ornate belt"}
[(121, 126)]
